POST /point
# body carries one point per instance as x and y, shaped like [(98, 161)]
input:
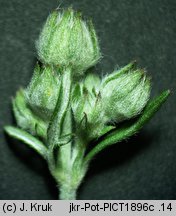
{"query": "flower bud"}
[(42, 92), (25, 118), (125, 96), (86, 106), (84, 96), (68, 41)]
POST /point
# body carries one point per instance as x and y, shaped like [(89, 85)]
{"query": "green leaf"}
[(129, 129), (28, 139)]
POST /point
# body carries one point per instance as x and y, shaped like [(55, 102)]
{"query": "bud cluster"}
[(60, 114)]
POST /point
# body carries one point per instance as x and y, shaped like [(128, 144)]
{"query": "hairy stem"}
[(67, 193)]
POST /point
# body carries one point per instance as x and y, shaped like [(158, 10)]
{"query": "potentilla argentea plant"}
[(64, 108)]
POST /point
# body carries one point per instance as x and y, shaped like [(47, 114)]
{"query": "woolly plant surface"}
[(65, 107)]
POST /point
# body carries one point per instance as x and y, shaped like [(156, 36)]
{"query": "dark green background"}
[(144, 167)]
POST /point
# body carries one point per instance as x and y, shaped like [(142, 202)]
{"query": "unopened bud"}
[(43, 90), (125, 96), (25, 118), (86, 106), (68, 41)]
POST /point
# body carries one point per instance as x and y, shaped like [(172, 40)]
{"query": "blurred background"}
[(144, 166)]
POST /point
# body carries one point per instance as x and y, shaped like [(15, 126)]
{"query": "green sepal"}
[(28, 139), (76, 92), (129, 129), (92, 83), (131, 66)]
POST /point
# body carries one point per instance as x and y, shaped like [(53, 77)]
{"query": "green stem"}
[(60, 126), (63, 102), (67, 193), (70, 175)]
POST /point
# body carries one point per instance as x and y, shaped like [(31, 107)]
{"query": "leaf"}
[(130, 129), (28, 139)]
